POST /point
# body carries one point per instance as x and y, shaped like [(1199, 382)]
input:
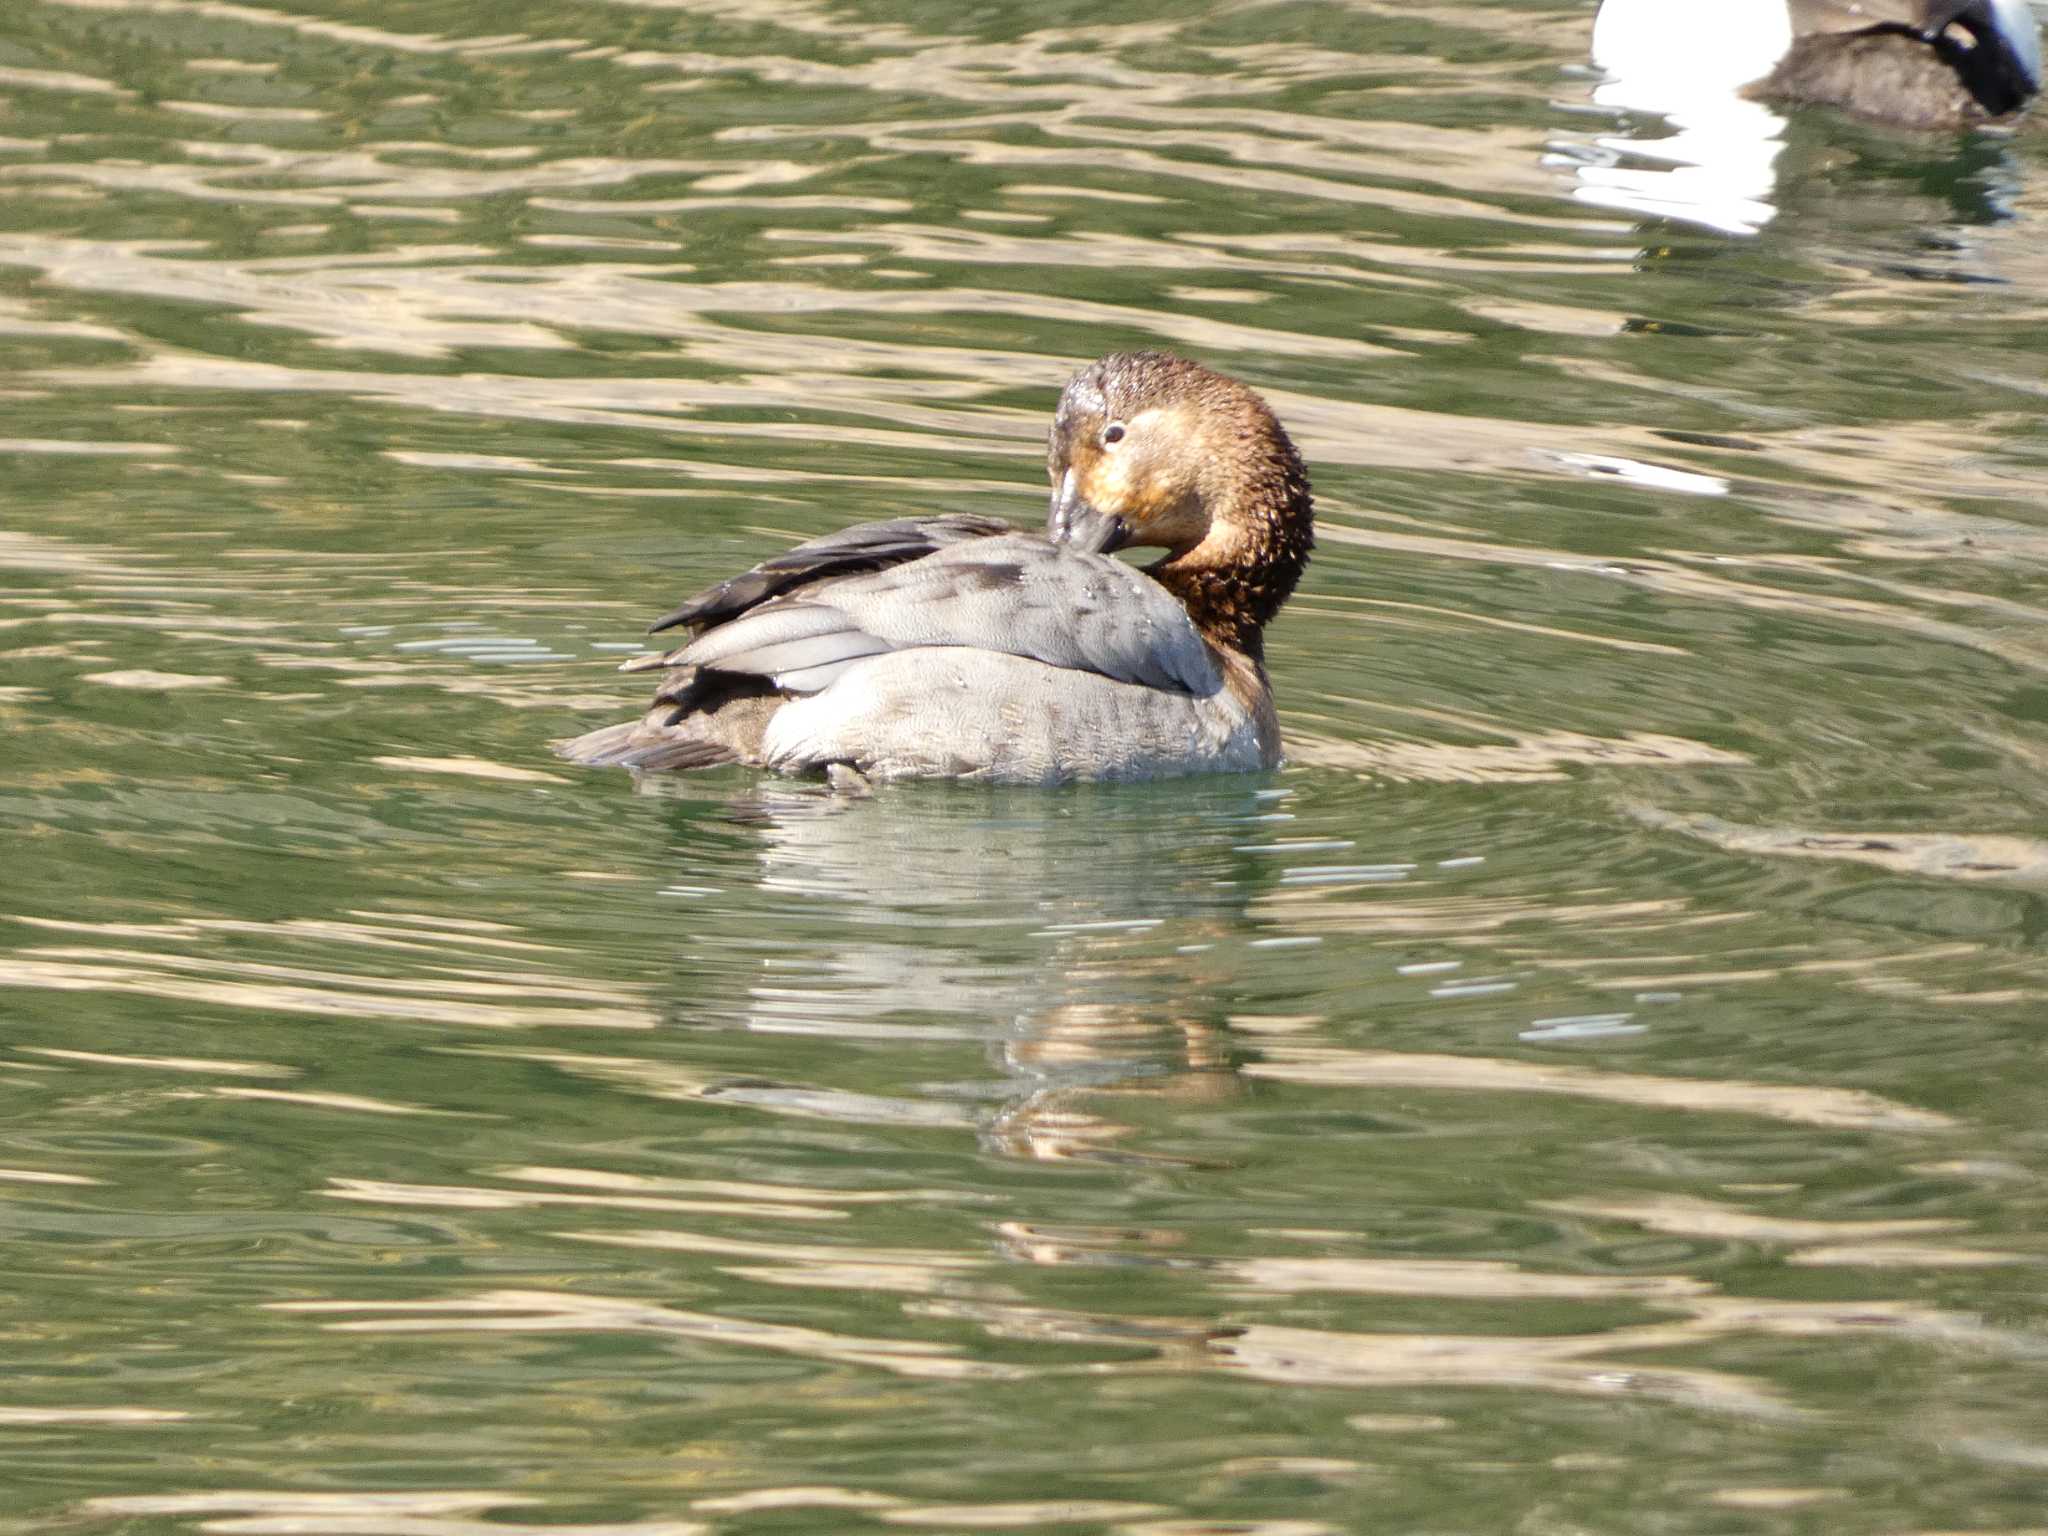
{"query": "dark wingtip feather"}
[(863, 547), (735, 594)]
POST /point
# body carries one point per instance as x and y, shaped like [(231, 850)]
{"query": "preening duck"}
[(1911, 63), (959, 647)]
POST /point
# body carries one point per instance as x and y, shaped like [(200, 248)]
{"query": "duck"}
[(1930, 64), (957, 646)]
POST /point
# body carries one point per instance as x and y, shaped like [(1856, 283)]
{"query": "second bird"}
[(1938, 64)]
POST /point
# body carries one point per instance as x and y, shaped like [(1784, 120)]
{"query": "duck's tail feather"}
[(636, 744)]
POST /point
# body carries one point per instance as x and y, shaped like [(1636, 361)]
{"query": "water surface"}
[(1594, 1087)]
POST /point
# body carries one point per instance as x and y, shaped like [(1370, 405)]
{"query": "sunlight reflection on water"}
[(1624, 997)]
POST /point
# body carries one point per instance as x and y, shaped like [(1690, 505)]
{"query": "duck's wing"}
[(703, 717), (1017, 594), (863, 547)]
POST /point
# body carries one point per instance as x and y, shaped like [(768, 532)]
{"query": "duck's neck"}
[(1234, 581)]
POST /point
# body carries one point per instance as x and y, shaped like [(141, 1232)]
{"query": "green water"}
[(1595, 1087)]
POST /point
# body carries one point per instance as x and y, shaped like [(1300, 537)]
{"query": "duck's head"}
[(1151, 450)]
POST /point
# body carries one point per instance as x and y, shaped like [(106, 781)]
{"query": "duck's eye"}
[(1113, 433)]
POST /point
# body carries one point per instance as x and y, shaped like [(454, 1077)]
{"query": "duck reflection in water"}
[(1719, 72), (1034, 925)]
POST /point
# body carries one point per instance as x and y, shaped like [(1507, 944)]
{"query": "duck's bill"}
[(1071, 520), (2003, 68)]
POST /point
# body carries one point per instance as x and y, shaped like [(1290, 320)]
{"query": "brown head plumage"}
[(1167, 453)]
